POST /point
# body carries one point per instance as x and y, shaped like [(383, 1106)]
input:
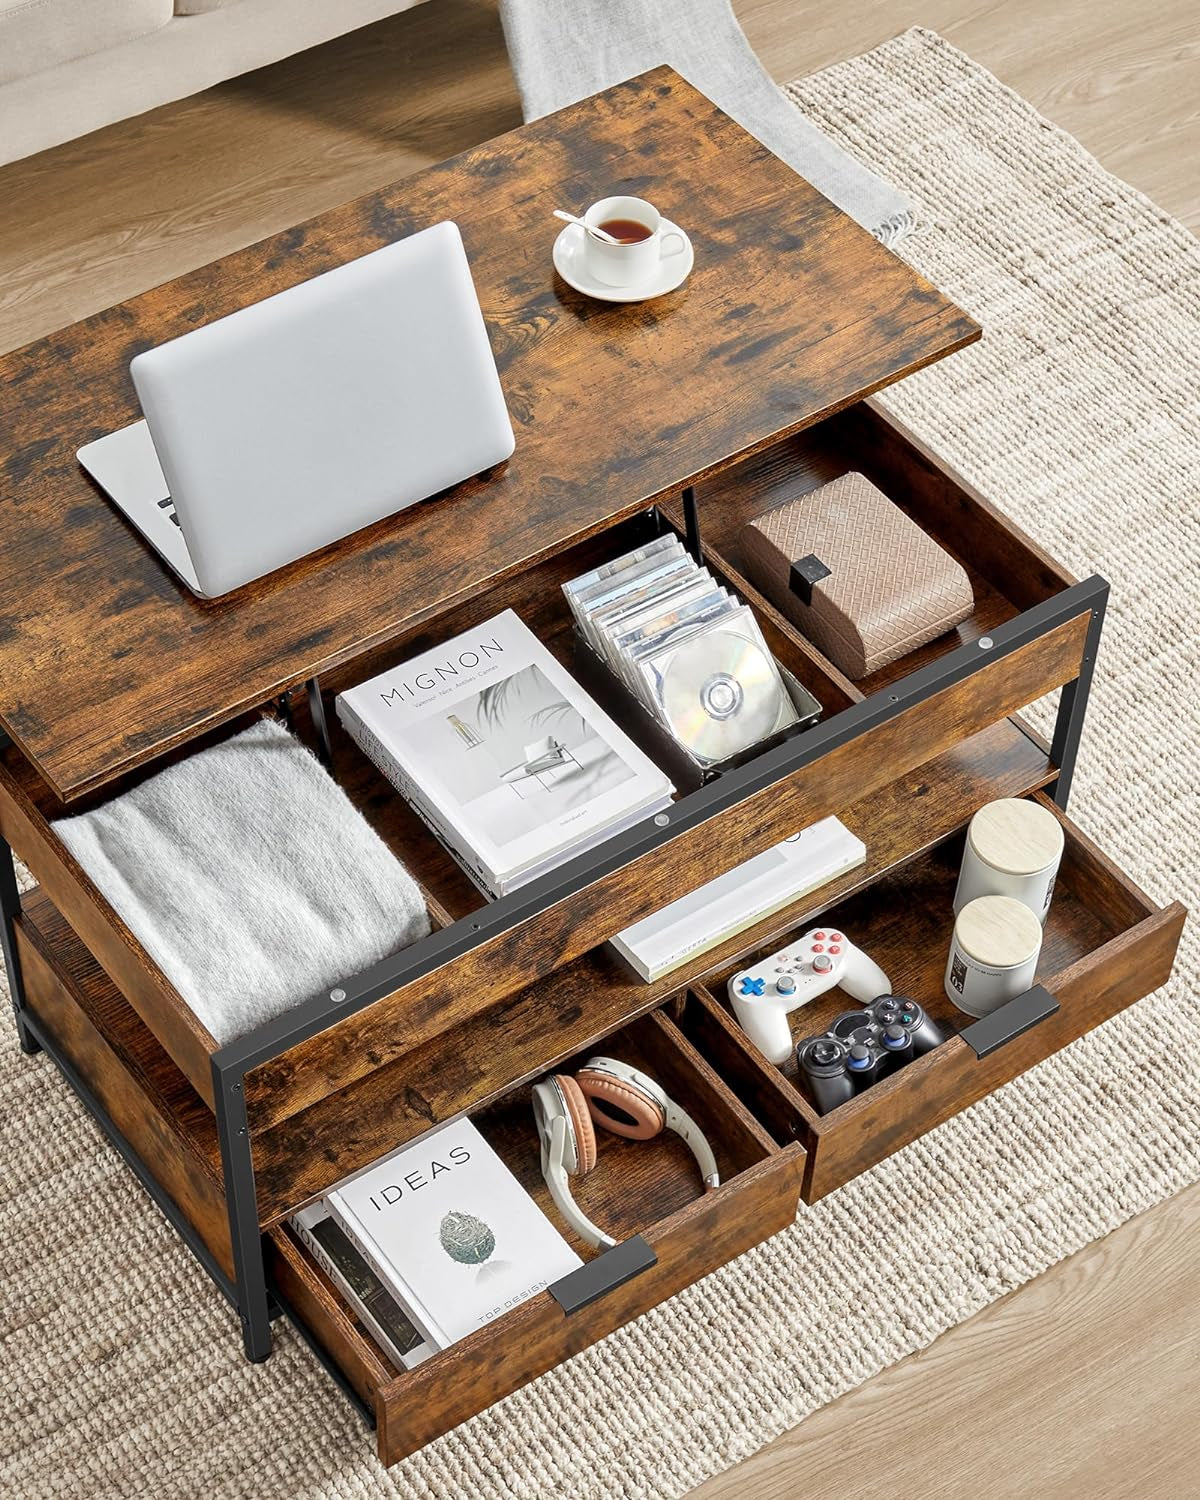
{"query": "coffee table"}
[(743, 388)]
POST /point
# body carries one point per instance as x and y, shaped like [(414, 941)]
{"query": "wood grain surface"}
[(579, 1003), (1080, 1385), (791, 312), (473, 982), (1086, 1374)]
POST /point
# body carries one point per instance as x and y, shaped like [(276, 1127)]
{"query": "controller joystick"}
[(764, 996), (862, 1046)]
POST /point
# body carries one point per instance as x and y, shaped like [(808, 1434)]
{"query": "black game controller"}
[(863, 1045)]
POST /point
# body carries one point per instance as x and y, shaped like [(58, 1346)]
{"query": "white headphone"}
[(619, 1099)]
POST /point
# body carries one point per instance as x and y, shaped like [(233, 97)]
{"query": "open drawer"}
[(1106, 945), (646, 1194), (647, 1189)]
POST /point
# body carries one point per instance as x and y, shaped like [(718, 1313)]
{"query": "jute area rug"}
[(1078, 413)]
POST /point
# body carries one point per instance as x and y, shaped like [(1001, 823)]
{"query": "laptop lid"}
[(313, 413)]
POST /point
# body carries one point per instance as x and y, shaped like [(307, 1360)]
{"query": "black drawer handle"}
[(1010, 1020), (604, 1274)]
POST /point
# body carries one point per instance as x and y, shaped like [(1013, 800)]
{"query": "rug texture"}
[(1078, 413)]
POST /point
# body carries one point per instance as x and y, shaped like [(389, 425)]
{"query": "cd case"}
[(598, 678)]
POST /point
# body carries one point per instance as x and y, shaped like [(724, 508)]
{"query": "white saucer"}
[(672, 272)]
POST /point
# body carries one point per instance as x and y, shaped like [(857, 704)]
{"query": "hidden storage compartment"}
[(1106, 945), (638, 1188), (1008, 571), (535, 594)]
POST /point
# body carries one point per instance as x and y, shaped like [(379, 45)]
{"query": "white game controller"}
[(763, 997)]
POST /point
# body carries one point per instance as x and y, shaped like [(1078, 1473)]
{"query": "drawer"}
[(649, 1188), (1106, 945)]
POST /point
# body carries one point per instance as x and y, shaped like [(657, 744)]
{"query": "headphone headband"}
[(649, 1109), (675, 1118)]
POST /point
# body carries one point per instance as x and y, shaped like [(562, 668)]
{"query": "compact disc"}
[(718, 692)]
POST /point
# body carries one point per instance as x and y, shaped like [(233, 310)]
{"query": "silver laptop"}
[(307, 416)]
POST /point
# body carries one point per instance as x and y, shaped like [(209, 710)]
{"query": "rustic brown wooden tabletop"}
[(791, 312)]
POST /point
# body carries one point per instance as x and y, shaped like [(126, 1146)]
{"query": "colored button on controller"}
[(785, 984), (822, 963), (752, 986)]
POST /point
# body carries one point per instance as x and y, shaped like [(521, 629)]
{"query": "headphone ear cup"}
[(581, 1124), (621, 1108)]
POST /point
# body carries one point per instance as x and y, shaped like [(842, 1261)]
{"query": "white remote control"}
[(763, 997)]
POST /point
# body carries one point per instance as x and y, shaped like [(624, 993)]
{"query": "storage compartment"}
[(494, 1008), (536, 596), (630, 877), (532, 1029), (1008, 571), (1106, 945), (650, 1189)]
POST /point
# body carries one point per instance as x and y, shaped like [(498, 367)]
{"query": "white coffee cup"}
[(634, 262), (993, 954)]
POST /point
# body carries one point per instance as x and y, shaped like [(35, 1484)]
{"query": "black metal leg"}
[(284, 703), (10, 907), (250, 1277), (1072, 706), (691, 522), (316, 708), (113, 1134)]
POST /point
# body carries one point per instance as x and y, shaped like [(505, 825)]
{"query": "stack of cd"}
[(687, 648)]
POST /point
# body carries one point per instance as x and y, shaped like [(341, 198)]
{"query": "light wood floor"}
[(94, 221), (1082, 1385)]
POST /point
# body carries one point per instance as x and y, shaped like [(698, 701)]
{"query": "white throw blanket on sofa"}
[(564, 50)]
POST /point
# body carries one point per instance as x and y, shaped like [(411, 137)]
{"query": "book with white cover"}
[(506, 757), (377, 1307), (723, 907), (448, 1227)]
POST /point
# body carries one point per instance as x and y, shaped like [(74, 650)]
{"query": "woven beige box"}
[(862, 581)]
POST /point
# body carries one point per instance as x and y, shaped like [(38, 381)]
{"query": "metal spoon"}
[(602, 234)]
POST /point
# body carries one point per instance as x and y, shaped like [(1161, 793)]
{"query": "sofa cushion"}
[(40, 34), (198, 7)]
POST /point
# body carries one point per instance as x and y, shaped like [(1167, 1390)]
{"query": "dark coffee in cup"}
[(628, 231)]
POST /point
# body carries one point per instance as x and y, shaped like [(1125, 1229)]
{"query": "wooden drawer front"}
[(1106, 945), (647, 1188)]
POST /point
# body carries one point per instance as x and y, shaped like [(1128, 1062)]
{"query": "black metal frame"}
[(231, 1063), (44, 1041), (249, 1291), (116, 1138), (316, 708)]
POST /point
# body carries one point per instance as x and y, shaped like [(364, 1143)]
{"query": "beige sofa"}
[(70, 66)]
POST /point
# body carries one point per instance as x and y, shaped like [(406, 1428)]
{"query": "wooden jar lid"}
[(998, 932), (1016, 837)]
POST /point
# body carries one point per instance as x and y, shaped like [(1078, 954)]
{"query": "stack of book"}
[(512, 765), (433, 1241)]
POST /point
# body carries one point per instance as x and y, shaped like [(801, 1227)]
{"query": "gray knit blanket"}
[(249, 877)]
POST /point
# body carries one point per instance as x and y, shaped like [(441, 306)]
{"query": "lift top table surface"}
[(791, 312)]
